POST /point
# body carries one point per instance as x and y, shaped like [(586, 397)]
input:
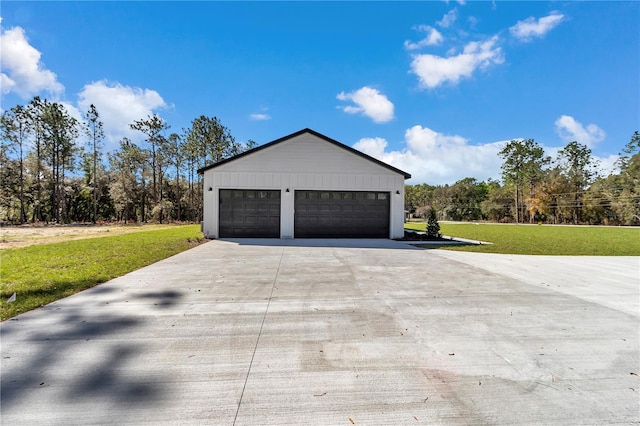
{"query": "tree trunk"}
[(191, 194), (23, 214), (37, 212), (178, 189), (142, 215), (517, 207), (56, 181), (153, 172), (160, 193), (95, 181)]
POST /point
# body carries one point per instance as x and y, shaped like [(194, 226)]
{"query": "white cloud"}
[(433, 38), (22, 72), (607, 165), (433, 70), (372, 146), (119, 106), (448, 19), (260, 117), (369, 102), (436, 158), (571, 130), (531, 28)]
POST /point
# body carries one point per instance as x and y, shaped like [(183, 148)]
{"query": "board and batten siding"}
[(304, 162)]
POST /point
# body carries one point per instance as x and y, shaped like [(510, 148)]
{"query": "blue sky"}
[(433, 88)]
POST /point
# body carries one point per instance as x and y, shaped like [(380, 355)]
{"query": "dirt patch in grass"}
[(30, 235), (42, 273)]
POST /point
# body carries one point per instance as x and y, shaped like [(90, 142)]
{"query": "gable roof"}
[(298, 133)]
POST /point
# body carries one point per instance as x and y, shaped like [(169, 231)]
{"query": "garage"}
[(303, 185), (341, 214), (249, 213)]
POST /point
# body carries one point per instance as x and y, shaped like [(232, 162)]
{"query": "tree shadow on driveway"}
[(68, 355)]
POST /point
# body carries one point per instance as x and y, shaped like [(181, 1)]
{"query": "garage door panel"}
[(341, 214), (262, 220), (249, 213)]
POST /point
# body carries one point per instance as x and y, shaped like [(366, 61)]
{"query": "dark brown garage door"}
[(339, 214), (249, 213)]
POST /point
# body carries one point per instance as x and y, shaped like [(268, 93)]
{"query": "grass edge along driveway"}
[(41, 274), (541, 239)]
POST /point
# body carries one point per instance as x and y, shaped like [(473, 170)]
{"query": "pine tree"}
[(433, 227)]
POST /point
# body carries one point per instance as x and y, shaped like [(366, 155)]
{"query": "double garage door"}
[(318, 214)]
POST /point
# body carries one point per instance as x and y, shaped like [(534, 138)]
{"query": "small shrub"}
[(433, 227)]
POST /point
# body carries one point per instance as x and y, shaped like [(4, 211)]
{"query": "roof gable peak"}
[(299, 133)]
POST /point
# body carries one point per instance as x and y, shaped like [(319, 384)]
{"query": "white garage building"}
[(304, 185)]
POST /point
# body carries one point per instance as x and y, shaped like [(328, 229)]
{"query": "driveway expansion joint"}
[(264, 317)]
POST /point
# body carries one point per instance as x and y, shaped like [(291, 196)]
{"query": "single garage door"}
[(249, 213), (340, 214)]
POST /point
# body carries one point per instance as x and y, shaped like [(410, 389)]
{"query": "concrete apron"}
[(334, 332)]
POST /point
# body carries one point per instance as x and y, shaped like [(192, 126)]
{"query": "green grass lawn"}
[(543, 239), (41, 274)]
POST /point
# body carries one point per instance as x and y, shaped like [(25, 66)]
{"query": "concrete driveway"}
[(334, 332)]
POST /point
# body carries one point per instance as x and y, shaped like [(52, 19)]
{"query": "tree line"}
[(536, 188), (53, 168)]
